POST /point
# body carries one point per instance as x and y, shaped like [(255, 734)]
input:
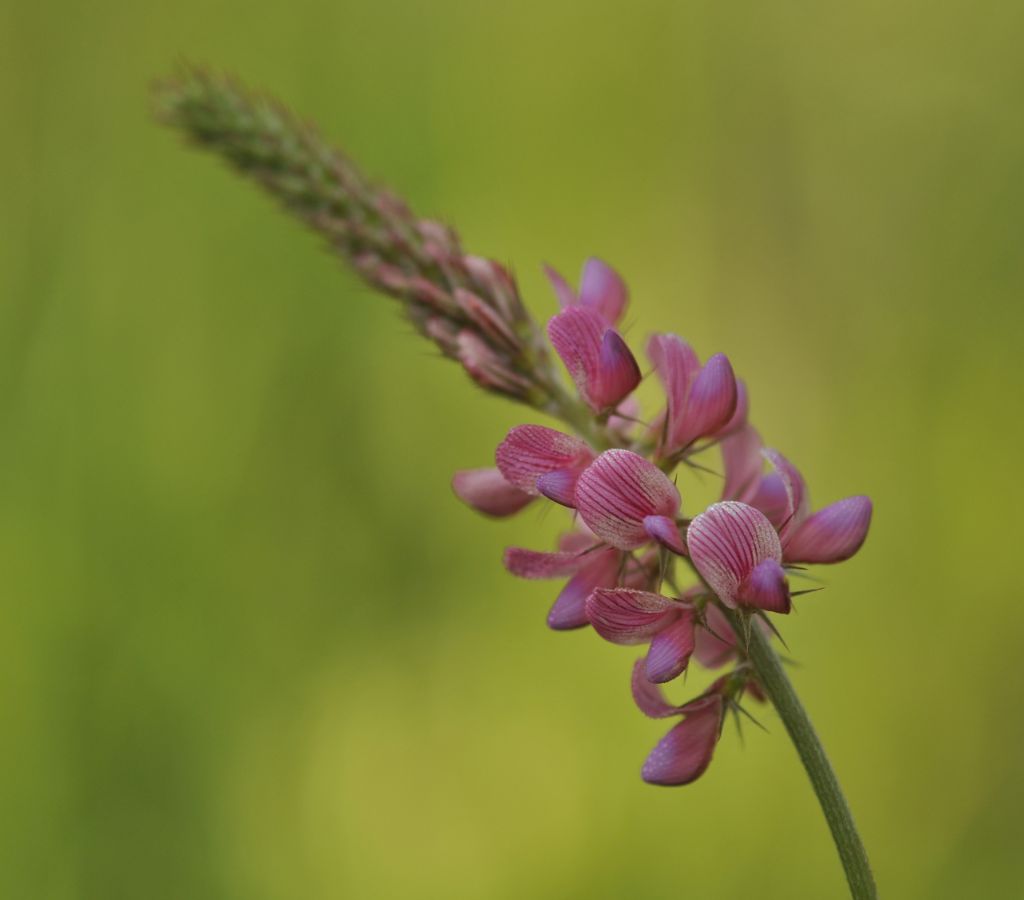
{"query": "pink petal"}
[(710, 404), (832, 534), (563, 290), (559, 486), (537, 564), (797, 501), (677, 366), (618, 491), (714, 650), (765, 588), (726, 542), (648, 696), (617, 373), (665, 531), (570, 609), (742, 461), (670, 650), (685, 752), (742, 411), (531, 451), (576, 335), (772, 496), (487, 491), (629, 617), (603, 290)]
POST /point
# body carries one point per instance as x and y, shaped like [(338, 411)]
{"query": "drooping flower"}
[(601, 289), (540, 460), (683, 754), (487, 491), (625, 616), (628, 501), (737, 552), (702, 400), (601, 365)]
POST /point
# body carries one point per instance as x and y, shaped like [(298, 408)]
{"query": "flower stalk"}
[(613, 470)]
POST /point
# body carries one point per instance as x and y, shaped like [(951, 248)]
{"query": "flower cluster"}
[(629, 531)]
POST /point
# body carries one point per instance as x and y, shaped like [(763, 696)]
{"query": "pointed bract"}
[(618, 491), (715, 645), (487, 491)]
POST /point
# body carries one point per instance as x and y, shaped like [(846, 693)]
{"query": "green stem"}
[(780, 691)]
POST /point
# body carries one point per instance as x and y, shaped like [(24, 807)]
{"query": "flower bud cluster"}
[(630, 541)]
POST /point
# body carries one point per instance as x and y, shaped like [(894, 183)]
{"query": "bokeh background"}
[(251, 647)]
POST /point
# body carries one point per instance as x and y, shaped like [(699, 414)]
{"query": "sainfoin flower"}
[(637, 564)]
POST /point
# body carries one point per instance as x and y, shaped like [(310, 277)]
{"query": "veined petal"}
[(570, 609), (623, 616), (603, 290), (685, 752), (742, 461), (563, 290), (618, 491), (538, 564), (766, 587), (487, 491), (648, 696), (726, 542), (670, 649), (617, 373), (710, 404), (531, 451), (797, 500), (677, 366), (576, 334), (832, 534), (665, 531)]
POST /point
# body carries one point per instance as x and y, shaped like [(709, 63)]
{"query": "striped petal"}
[(677, 366), (797, 499), (563, 290), (618, 491), (726, 542), (603, 290), (670, 649), (487, 491), (538, 564), (832, 534), (627, 617), (685, 752), (742, 462), (531, 451)]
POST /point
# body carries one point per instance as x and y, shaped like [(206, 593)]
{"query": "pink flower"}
[(487, 491), (589, 569), (628, 501), (683, 754), (625, 616), (539, 460), (601, 289), (702, 400), (599, 362), (830, 535), (737, 552)]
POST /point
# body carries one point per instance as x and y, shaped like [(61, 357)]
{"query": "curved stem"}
[(780, 691)]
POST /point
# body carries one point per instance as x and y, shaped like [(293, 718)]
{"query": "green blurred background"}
[(251, 647)]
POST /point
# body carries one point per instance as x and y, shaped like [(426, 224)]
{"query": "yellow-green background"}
[(250, 646)]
